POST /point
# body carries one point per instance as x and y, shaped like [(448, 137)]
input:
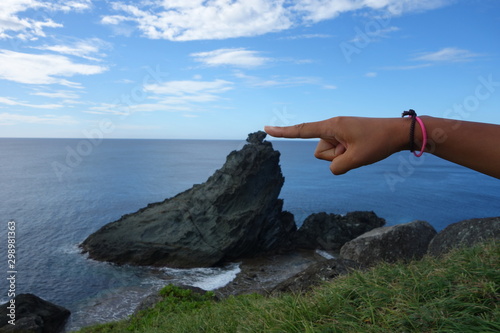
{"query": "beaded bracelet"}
[(413, 116)]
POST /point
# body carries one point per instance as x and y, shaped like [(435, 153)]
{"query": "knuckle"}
[(300, 128), (339, 121)]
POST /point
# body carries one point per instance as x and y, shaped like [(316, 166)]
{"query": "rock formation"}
[(235, 213), (315, 275), (331, 231), (399, 242), (33, 315), (465, 233)]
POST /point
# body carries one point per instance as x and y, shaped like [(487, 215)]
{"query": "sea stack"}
[(236, 213)]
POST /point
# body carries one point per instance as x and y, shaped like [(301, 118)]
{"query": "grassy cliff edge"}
[(459, 292)]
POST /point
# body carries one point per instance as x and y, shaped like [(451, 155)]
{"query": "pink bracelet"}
[(424, 137), (414, 117)]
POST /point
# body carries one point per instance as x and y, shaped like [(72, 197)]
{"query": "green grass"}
[(457, 293)]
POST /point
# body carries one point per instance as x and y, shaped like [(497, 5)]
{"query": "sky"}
[(220, 69)]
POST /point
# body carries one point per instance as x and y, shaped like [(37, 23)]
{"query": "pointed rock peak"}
[(257, 137), (236, 213)]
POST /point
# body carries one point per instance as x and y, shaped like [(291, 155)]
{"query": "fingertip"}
[(272, 130), (268, 128)]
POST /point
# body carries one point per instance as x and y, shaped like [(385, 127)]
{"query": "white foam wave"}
[(205, 278), (70, 249), (325, 254)]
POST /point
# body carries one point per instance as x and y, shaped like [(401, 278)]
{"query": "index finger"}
[(303, 131)]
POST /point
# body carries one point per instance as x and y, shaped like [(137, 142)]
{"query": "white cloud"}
[(319, 10), (180, 95), (308, 36), (448, 54), (443, 56), (14, 25), (124, 81), (282, 81), (108, 108), (302, 61), (161, 106), (406, 67), (398, 7), (288, 82), (238, 57), (187, 88), (75, 5), (13, 119), (125, 110), (187, 95), (12, 102), (87, 49), (63, 94), (373, 35), (182, 20), (42, 68), (371, 74), (198, 20)]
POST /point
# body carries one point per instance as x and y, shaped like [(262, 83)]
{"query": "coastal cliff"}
[(235, 213)]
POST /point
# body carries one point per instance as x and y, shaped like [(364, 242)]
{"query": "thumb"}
[(343, 163)]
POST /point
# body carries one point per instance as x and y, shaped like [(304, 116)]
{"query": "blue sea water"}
[(58, 191)]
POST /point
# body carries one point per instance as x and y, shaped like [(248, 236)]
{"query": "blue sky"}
[(221, 69)]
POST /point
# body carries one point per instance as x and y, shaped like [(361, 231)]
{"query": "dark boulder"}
[(465, 233), (331, 231), (400, 242), (235, 213), (315, 275), (32, 315)]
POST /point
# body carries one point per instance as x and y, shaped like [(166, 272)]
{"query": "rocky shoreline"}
[(295, 271), (236, 215), (403, 242)]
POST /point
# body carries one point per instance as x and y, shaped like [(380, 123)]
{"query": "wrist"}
[(420, 141), (401, 133)]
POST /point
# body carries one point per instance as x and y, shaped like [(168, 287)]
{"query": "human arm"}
[(351, 142)]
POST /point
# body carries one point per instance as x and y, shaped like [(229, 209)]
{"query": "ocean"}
[(58, 191)]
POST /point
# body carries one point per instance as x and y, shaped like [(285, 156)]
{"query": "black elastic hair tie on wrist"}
[(413, 116)]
